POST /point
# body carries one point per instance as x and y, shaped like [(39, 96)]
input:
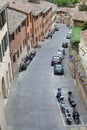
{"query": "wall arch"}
[(4, 92), (7, 79), (9, 72)]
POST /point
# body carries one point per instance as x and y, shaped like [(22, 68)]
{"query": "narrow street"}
[(32, 103)]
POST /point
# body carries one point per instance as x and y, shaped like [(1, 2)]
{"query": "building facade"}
[(47, 17), (79, 18), (63, 15), (5, 63), (27, 10), (17, 36), (83, 49)]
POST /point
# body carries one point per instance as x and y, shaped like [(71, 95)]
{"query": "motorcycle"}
[(62, 106), (76, 116), (71, 99), (68, 116), (58, 94)]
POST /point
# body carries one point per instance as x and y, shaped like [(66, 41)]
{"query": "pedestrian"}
[(51, 36)]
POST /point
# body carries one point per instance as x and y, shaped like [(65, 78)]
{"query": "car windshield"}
[(58, 67), (55, 58), (60, 49)]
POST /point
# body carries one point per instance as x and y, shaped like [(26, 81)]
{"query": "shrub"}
[(83, 7), (75, 38), (84, 25)]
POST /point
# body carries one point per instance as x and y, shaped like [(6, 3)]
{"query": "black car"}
[(58, 69), (65, 44), (23, 67), (56, 28), (49, 35), (56, 60)]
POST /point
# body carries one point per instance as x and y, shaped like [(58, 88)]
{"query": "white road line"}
[(75, 125), (55, 92), (82, 128)]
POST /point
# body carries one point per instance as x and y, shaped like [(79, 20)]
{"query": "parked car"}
[(56, 28), (23, 67), (68, 35), (58, 69), (50, 35), (53, 31), (65, 44), (31, 55), (55, 60), (59, 54), (69, 26), (61, 49)]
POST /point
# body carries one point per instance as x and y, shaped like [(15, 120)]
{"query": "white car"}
[(60, 54)]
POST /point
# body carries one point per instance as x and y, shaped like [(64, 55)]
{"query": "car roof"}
[(61, 48), (58, 65), (55, 57)]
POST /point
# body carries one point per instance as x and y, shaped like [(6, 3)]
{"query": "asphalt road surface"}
[(32, 103)]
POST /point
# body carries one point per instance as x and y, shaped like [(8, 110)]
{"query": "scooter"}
[(76, 116), (71, 99), (58, 94), (68, 116), (62, 106)]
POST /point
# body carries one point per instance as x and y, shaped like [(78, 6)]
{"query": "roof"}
[(35, 7), (23, 7), (80, 16), (64, 9), (14, 19), (45, 6), (83, 35), (54, 7), (3, 4)]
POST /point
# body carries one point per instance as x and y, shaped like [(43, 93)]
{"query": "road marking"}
[(82, 128), (55, 92), (72, 128)]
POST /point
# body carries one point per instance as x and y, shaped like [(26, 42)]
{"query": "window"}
[(3, 47), (14, 58), (17, 53), (23, 23), (20, 49), (28, 35), (18, 30), (24, 42), (35, 30), (27, 21), (0, 54), (5, 39), (11, 37), (30, 17), (2, 19)]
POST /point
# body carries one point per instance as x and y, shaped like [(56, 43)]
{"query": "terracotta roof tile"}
[(36, 8), (83, 35), (15, 19), (80, 15), (64, 9), (20, 6)]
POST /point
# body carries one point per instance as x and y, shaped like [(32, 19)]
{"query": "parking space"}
[(65, 94)]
